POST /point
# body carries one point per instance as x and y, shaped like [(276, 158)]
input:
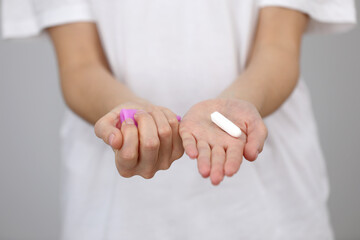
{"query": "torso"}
[(176, 53)]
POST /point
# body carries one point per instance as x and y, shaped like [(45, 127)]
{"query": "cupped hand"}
[(219, 154), (145, 149)]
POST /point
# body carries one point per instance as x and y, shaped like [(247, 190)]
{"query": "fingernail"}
[(111, 138), (257, 154), (129, 121)]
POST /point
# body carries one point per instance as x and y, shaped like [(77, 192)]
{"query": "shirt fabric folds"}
[(176, 53)]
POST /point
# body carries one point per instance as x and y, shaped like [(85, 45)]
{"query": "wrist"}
[(119, 94), (247, 89)]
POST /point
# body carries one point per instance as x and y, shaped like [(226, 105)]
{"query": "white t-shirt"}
[(176, 53)]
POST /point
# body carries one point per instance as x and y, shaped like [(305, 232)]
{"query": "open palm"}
[(217, 152)]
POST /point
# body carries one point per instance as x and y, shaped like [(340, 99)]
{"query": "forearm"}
[(273, 67), (91, 91), (88, 86), (268, 80)]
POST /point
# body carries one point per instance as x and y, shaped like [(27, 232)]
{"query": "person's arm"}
[(88, 86), (273, 67), (269, 78), (92, 92)]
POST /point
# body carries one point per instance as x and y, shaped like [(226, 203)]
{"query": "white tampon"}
[(225, 124)]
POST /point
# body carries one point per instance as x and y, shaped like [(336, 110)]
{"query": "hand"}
[(145, 149), (217, 152)]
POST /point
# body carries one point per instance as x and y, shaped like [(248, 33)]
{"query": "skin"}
[(270, 76), (92, 92)]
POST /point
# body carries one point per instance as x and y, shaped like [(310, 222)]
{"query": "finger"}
[(217, 164), (149, 144), (234, 154), (257, 134), (189, 144), (203, 159), (177, 147), (105, 128), (165, 136), (127, 156)]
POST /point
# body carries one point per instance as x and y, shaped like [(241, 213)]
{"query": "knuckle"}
[(173, 122), (203, 149), (151, 144), (140, 117), (157, 110), (124, 173), (165, 165), (164, 109), (144, 115), (127, 165), (148, 175), (165, 132), (99, 122), (127, 155), (178, 154)]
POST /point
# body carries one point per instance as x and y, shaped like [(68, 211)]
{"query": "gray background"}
[(31, 110)]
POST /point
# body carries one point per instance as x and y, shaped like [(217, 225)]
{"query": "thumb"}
[(105, 128), (257, 134)]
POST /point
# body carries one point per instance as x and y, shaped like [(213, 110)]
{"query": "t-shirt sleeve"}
[(26, 18), (326, 16)]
